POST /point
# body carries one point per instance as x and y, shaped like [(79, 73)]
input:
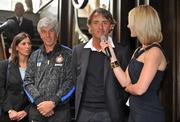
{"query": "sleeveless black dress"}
[(147, 107)]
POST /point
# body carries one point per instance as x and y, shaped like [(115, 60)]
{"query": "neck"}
[(96, 44), (49, 48), (23, 60)]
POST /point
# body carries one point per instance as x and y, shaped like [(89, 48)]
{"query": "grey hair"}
[(48, 22)]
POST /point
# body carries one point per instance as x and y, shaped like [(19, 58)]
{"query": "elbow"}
[(140, 92), (139, 89)]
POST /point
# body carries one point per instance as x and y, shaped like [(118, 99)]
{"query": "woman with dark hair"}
[(15, 103)]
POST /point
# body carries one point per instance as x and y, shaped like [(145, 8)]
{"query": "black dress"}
[(147, 107)]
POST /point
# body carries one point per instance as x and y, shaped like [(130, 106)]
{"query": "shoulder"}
[(3, 65), (154, 51), (35, 54), (13, 17), (79, 46), (154, 54), (66, 49), (36, 51)]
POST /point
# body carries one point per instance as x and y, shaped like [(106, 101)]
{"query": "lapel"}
[(84, 62), (13, 69)]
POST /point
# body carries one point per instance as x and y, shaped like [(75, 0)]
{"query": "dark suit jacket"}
[(3, 67), (14, 93), (26, 26), (114, 94)]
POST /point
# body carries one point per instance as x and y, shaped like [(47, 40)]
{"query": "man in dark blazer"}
[(22, 25), (98, 97)]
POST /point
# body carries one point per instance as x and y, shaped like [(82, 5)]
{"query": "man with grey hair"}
[(48, 80)]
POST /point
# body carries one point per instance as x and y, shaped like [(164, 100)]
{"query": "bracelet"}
[(114, 64)]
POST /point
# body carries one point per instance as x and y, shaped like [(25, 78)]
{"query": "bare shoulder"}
[(156, 55)]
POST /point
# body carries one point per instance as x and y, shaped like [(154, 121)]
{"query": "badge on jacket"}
[(59, 60)]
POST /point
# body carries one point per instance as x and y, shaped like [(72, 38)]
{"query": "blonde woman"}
[(146, 69)]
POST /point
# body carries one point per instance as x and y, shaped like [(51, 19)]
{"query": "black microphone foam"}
[(107, 51)]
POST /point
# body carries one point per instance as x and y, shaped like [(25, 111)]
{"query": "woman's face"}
[(132, 30), (24, 47), (131, 25)]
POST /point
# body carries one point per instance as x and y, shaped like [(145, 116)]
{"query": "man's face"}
[(19, 10), (49, 36), (100, 26)]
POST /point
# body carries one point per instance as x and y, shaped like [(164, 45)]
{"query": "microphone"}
[(107, 51)]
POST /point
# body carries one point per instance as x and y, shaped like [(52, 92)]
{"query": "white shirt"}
[(20, 18), (22, 72), (90, 45)]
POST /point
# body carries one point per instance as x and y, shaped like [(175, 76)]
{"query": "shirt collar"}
[(19, 18), (90, 45)]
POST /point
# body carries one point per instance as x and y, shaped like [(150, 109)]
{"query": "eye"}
[(51, 30), (23, 43), (105, 22)]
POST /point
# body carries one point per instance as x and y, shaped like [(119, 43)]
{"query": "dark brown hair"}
[(16, 40), (105, 13)]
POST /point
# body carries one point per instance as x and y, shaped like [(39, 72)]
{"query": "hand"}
[(21, 115), (45, 107), (128, 87), (108, 45), (13, 115), (49, 114), (104, 44)]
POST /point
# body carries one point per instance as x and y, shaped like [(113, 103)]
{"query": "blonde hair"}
[(145, 21)]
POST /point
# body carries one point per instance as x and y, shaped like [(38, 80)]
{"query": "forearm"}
[(119, 73), (29, 88), (134, 89)]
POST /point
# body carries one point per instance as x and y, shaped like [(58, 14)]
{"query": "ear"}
[(89, 29), (112, 27), (17, 48)]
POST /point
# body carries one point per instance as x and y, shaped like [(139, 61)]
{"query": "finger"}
[(19, 119), (40, 104)]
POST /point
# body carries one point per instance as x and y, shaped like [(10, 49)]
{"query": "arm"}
[(29, 83), (121, 76), (152, 60), (67, 87)]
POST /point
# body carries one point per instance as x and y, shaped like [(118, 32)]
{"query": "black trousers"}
[(61, 114), (89, 116)]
